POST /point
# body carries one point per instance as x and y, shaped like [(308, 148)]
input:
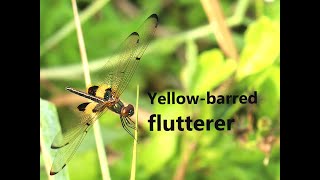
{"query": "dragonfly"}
[(105, 95)]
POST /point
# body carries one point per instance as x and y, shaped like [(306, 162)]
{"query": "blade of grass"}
[(134, 150), (69, 27), (96, 127)]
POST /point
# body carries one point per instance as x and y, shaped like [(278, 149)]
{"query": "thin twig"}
[(185, 157), (220, 28)]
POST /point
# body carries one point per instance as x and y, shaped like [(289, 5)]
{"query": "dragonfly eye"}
[(131, 112)]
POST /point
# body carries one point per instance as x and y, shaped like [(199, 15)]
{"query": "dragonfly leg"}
[(130, 123), (125, 126)]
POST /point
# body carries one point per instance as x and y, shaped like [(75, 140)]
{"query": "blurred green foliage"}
[(49, 126), (175, 61)]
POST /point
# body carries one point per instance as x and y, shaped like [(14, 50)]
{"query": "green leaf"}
[(211, 71), (49, 127), (262, 47)]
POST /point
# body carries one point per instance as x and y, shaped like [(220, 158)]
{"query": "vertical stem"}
[(82, 47), (134, 150), (188, 150), (96, 126)]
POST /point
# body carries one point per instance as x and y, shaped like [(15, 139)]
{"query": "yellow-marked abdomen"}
[(88, 107)]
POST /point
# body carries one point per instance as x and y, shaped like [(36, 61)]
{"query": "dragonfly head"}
[(127, 111)]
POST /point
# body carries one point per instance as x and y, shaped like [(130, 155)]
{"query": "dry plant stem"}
[(82, 47), (96, 126), (188, 147), (220, 28), (181, 169)]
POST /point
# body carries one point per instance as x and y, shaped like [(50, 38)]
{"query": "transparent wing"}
[(115, 63), (125, 72), (124, 62), (63, 138), (65, 153), (68, 142)]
